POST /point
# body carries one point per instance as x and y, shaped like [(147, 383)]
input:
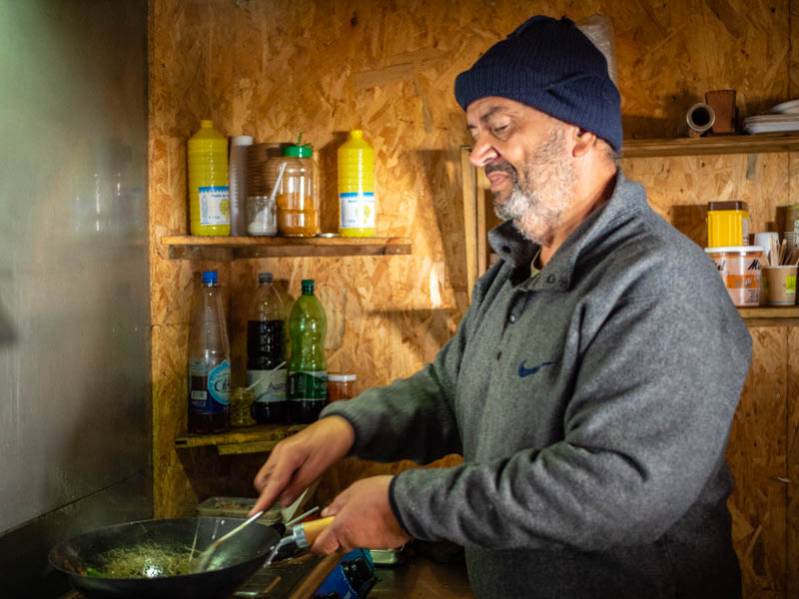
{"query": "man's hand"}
[(364, 519), (296, 462)]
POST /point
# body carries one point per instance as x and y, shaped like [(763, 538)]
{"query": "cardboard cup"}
[(780, 285)]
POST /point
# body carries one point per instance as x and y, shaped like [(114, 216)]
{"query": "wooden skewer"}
[(782, 251), (772, 252)]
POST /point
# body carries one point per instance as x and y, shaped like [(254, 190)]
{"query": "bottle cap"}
[(206, 123), (296, 151), (307, 286), (356, 134), (209, 277), (241, 140), (342, 378), (265, 277)]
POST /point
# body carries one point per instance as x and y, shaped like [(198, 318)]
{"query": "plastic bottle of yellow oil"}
[(209, 194), (356, 187)]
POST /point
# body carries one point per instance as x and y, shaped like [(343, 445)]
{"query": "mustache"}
[(503, 167)]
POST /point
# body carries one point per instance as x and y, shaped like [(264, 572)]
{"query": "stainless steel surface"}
[(74, 298)]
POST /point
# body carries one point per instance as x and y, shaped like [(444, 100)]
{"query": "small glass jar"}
[(261, 216), (241, 399), (297, 202), (340, 386)]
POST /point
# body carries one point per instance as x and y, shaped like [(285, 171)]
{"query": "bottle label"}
[(214, 205), (271, 385), (357, 210), (308, 385), (209, 392)]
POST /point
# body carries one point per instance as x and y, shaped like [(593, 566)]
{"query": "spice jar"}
[(297, 202), (261, 217), (340, 386), (241, 399)]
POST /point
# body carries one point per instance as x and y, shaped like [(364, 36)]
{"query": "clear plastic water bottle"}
[(209, 360)]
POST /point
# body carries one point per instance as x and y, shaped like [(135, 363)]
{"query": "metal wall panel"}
[(74, 300)]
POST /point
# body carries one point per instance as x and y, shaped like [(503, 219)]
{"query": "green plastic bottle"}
[(209, 194), (307, 365)]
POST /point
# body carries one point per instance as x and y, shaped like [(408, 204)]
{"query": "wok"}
[(253, 545)]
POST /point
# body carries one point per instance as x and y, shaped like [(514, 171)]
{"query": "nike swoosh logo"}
[(525, 372)]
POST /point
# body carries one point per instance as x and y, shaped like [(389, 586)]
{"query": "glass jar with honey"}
[(340, 386), (297, 201)]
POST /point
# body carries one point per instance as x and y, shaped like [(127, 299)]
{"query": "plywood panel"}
[(679, 188), (757, 458)]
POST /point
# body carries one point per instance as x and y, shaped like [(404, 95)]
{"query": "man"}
[(590, 387)]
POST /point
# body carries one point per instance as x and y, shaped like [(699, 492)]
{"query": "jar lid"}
[(295, 151), (342, 378), (731, 205), (734, 249)]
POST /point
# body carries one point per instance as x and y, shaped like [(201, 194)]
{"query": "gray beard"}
[(536, 207)]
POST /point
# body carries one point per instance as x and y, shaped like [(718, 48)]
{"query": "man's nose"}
[(482, 153)]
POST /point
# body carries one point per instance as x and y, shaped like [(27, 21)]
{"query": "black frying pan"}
[(253, 545)]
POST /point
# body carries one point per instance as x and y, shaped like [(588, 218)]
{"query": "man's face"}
[(526, 160)]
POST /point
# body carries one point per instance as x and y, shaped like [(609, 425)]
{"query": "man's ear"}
[(584, 140)]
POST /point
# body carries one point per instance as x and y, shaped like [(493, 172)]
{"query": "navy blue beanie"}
[(552, 66)]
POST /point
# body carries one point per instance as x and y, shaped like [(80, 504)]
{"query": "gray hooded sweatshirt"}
[(592, 402)]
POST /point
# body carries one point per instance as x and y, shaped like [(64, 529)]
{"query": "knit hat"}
[(553, 67)]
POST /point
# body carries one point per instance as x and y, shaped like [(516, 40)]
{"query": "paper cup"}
[(779, 285)]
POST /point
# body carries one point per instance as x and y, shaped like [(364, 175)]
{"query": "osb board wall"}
[(274, 69)]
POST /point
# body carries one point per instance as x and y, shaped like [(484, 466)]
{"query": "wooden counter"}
[(422, 578)]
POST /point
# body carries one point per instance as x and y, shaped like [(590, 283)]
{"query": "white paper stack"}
[(783, 118)]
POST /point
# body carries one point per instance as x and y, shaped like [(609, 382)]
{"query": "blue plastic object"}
[(353, 578)]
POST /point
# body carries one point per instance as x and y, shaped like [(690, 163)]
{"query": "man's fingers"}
[(335, 506), (326, 543), (274, 481)]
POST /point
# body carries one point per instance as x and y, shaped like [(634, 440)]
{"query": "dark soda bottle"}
[(209, 360), (266, 363), (307, 366)]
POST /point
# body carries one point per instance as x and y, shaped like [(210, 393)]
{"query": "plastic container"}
[(340, 386), (297, 202), (266, 358), (209, 194), (727, 224), (237, 507), (209, 360), (740, 269), (356, 187), (262, 162), (239, 146)]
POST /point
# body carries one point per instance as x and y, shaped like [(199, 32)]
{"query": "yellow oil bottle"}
[(209, 194), (356, 187)]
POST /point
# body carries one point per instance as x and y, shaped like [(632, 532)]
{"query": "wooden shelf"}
[(185, 247), (770, 316), (252, 439), (719, 144)]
